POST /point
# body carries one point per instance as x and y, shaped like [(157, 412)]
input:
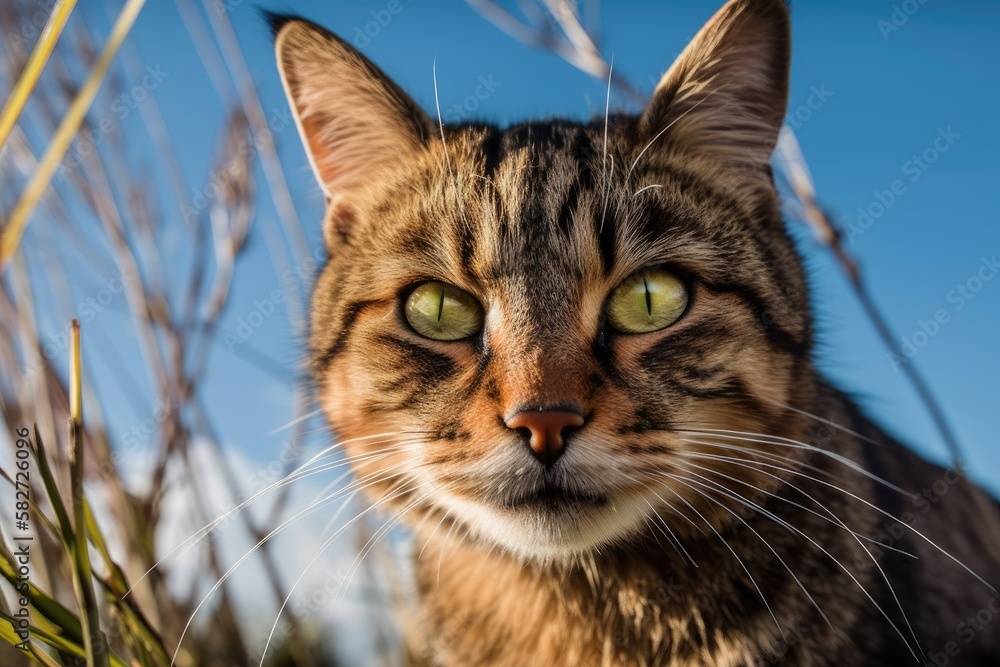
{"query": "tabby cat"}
[(576, 359)]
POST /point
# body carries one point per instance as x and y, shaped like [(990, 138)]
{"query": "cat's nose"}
[(546, 430)]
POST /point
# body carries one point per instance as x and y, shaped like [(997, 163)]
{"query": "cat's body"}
[(576, 359)]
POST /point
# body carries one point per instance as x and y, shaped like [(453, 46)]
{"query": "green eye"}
[(442, 312), (647, 301)]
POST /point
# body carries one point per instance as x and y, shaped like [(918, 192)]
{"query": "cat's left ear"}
[(726, 94), (356, 123)]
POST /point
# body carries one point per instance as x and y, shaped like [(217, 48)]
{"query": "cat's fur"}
[(714, 463)]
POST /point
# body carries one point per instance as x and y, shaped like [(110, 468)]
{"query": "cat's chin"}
[(548, 527)]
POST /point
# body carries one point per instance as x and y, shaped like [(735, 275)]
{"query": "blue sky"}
[(902, 110)]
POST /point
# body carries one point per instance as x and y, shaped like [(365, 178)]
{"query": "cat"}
[(576, 359)]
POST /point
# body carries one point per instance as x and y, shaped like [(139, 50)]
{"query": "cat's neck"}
[(465, 587), (602, 609)]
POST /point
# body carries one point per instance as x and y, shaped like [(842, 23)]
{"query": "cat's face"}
[(525, 330)]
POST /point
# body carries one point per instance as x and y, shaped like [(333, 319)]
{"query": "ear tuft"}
[(276, 20), (726, 94)]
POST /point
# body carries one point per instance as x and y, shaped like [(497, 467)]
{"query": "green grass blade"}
[(94, 642), (65, 527), (8, 635), (45, 521), (44, 604), (117, 587), (61, 643)]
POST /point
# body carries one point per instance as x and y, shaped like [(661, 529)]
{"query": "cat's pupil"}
[(649, 297)]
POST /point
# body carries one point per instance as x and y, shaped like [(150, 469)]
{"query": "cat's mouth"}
[(552, 518), (554, 498)]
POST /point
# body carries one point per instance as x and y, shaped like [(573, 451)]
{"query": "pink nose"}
[(546, 429)]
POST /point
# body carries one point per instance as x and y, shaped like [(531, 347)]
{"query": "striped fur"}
[(660, 537)]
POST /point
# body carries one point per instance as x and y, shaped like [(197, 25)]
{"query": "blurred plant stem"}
[(33, 69), (74, 116)]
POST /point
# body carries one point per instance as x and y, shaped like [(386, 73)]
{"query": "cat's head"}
[(548, 332)]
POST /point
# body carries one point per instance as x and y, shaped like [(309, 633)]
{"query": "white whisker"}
[(437, 104), (673, 509), (297, 420), (890, 516), (284, 525), (731, 550), (794, 530), (322, 548), (444, 516), (778, 441), (827, 422), (299, 473), (742, 463), (768, 545)]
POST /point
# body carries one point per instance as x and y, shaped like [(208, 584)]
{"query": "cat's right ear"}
[(725, 96), (354, 120)]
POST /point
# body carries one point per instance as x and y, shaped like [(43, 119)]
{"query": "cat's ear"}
[(354, 120), (726, 94)]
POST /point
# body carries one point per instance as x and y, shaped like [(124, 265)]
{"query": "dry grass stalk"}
[(33, 69), (108, 218), (71, 121), (577, 45)]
